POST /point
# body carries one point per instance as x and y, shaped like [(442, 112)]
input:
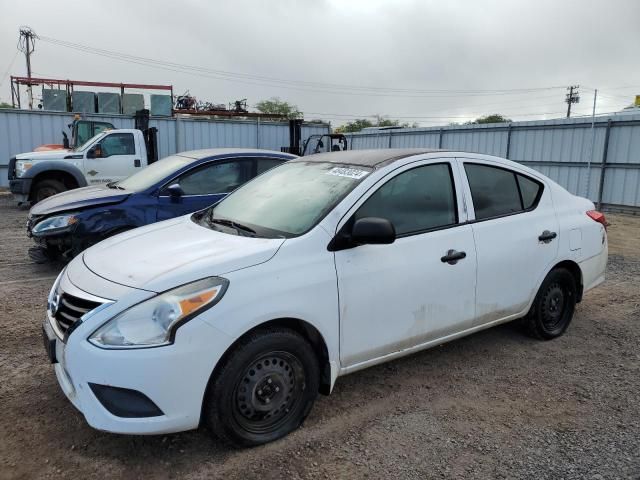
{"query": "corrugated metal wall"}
[(23, 130), (560, 149)]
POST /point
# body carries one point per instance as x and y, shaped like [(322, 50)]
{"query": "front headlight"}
[(51, 299), (153, 322), (54, 224), (22, 166)]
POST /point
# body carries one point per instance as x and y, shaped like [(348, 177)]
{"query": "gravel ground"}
[(493, 405)]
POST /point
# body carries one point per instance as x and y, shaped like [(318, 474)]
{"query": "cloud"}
[(401, 44)]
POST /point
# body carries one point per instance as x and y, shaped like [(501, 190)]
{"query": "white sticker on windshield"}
[(347, 172)]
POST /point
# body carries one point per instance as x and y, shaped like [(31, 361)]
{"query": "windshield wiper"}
[(114, 186), (232, 224)]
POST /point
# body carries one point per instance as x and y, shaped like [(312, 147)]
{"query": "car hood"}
[(167, 254), (46, 155), (79, 198)]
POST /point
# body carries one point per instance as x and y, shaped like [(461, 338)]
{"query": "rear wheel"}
[(47, 188), (553, 307), (264, 389)]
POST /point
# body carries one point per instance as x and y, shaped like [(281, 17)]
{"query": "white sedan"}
[(240, 314)]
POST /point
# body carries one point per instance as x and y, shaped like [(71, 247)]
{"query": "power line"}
[(6, 73), (409, 117), (292, 84)]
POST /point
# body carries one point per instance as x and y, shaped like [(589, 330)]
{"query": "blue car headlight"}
[(56, 224)]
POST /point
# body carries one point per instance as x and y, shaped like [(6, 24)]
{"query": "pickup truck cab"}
[(109, 156)]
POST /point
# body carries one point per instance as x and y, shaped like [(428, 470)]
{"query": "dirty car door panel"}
[(394, 297)]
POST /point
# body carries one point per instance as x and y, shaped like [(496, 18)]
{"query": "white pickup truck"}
[(107, 157)]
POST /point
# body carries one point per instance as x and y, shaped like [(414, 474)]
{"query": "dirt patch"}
[(493, 405)]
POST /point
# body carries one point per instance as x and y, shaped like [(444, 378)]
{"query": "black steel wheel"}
[(264, 388), (553, 307), (47, 188), (270, 388)]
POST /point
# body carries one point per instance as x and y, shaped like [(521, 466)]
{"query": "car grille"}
[(70, 309), (11, 172)]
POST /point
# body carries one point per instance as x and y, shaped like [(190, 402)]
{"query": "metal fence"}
[(599, 160), (23, 130)]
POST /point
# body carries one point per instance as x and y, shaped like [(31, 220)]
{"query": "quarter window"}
[(216, 178), (416, 200), (496, 191), (529, 190)]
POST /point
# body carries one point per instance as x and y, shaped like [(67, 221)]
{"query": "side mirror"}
[(91, 153), (373, 231), (175, 192)]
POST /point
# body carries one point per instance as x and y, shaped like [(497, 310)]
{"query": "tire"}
[(47, 188), (264, 389), (553, 307)]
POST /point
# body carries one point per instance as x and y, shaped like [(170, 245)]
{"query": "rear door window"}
[(496, 191)]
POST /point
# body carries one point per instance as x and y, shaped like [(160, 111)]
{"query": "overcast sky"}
[(436, 55)]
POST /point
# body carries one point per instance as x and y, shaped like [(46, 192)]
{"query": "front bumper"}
[(48, 246), (173, 377), (20, 187)]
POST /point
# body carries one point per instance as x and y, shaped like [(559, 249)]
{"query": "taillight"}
[(597, 216)]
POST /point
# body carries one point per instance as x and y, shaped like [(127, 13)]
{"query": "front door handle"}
[(547, 236), (452, 257)]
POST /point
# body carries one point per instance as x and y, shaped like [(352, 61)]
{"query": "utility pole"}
[(26, 44), (593, 140), (572, 97)]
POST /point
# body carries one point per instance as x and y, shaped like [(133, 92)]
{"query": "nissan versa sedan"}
[(65, 224), (238, 315)]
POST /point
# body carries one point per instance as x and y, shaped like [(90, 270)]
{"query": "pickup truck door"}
[(204, 185), (117, 156)]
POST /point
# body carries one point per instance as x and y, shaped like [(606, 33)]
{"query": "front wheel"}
[(264, 389), (47, 188), (553, 307)]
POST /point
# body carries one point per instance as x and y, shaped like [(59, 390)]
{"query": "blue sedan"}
[(65, 224)]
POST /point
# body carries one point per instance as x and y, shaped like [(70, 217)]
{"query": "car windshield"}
[(284, 202), (89, 142), (154, 173)]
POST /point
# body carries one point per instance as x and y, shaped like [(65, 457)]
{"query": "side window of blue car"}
[(264, 164), (216, 178)]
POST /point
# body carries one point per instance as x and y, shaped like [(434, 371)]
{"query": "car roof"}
[(213, 152), (367, 158)]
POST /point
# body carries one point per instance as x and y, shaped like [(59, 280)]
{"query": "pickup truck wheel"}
[(47, 188), (553, 307), (264, 389)]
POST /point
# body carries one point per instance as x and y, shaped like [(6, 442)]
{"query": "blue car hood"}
[(79, 198)]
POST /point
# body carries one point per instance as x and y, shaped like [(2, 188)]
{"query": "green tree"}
[(279, 107), (5, 105), (493, 118), (354, 126)]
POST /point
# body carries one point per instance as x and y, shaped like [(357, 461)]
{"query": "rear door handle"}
[(452, 257), (547, 236), (136, 162)]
